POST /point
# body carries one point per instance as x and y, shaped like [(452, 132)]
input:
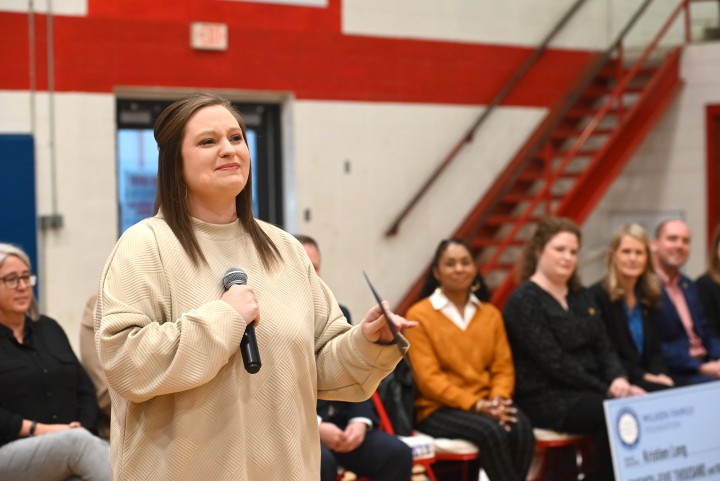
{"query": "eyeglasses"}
[(12, 281)]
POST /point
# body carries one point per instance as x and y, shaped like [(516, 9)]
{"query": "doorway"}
[(713, 168)]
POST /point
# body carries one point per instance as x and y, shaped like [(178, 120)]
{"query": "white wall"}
[(71, 258), (514, 22), (63, 7), (668, 173), (518, 22), (392, 149)]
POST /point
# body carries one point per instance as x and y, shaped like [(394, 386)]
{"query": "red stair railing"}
[(484, 217), (468, 137), (615, 97)]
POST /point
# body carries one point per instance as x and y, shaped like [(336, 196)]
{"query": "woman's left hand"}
[(355, 435), (375, 327), (619, 388), (500, 409), (659, 379)]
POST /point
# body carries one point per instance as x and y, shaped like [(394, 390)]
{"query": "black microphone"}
[(248, 345)]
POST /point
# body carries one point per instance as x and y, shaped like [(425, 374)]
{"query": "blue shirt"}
[(635, 323)]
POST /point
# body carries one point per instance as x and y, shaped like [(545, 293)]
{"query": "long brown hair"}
[(714, 265), (171, 188), (648, 283), (546, 229)]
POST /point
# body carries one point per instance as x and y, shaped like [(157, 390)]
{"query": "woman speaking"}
[(167, 331)]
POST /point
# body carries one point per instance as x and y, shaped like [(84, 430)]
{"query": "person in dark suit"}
[(708, 284), (691, 349), (349, 438), (627, 298), (348, 433)]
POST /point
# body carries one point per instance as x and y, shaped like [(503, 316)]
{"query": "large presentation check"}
[(672, 435)]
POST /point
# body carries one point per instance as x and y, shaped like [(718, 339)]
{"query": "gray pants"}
[(74, 454)]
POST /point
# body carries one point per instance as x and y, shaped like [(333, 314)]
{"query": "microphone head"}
[(234, 275)]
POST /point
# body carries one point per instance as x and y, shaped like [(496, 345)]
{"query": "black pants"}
[(505, 456), (381, 457), (587, 416)]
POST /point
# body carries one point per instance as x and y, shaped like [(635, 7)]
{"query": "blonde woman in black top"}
[(627, 298)]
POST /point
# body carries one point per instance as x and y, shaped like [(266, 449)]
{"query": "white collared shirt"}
[(441, 303)]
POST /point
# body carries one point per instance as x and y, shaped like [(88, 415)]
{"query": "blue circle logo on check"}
[(628, 427)]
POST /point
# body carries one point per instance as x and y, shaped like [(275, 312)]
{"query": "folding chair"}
[(547, 444), (457, 450), (399, 387), (424, 459)]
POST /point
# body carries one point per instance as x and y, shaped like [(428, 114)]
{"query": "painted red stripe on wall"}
[(98, 54)]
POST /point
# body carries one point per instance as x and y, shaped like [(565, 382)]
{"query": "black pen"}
[(390, 324)]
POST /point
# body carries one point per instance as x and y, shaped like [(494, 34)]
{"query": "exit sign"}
[(208, 36)]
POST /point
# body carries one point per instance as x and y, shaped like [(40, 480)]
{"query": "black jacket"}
[(560, 355), (616, 321)]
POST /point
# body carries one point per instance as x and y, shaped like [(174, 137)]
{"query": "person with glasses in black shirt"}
[(47, 401)]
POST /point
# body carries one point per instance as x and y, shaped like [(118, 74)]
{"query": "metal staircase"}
[(572, 158), (575, 163)]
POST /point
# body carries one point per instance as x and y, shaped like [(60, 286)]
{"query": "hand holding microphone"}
[(246, 305)]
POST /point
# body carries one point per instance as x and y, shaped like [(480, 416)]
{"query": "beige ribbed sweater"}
[(183, 406)]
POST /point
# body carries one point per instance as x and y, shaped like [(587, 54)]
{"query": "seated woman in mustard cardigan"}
[(463, 367)]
